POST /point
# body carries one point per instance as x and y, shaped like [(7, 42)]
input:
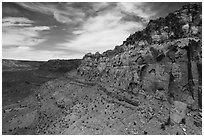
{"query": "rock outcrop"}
[(164, 59)]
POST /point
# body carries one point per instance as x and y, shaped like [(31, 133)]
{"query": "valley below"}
[(20, 80)]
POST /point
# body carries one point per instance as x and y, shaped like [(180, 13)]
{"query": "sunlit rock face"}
[(165, 59)]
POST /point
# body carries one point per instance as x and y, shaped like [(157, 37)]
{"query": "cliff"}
[(164, 60)]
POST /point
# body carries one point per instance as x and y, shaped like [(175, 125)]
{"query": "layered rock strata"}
[(164, 59)]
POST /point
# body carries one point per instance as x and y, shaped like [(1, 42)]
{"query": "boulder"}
[(178, 111)]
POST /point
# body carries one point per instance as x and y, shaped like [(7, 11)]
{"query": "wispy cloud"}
[(101, 33), (16, 21), (136, 8), (26, 53), (62, 12), (109, 28), (20, 31), (96, 26), (41, 30)]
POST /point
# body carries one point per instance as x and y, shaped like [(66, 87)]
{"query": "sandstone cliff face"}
[(164, 59)]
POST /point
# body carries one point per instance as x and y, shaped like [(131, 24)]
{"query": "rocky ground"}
[(151, 84), (71, 105), (20, 80)]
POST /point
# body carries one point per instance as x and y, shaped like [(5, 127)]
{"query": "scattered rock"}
[(178, 111)]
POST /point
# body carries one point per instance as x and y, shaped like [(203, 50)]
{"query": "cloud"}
[(20, 31), (102, 32), (27, 53), (68, 17), (142, 10), (16, 21), (97, 6), (132, 17), (45, 8), (62, 12), (109, 27), (80, 28), (9, 8)]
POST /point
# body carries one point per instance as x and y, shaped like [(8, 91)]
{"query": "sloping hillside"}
[(60, 65), (151, 84), (14, 65)]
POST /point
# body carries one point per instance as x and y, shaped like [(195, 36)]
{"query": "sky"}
[(43, 31)]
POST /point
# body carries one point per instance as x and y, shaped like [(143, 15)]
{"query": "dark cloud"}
[(131, 17), (9, 47), (163, 8), (9, 9), (55, 36), (61, 12)]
